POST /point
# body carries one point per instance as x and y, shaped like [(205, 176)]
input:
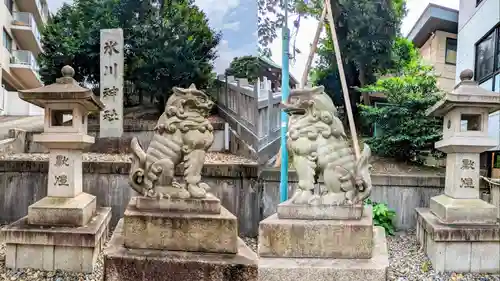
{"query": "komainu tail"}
[(364, 160), (137, 178), (360, 176), (363, 178)]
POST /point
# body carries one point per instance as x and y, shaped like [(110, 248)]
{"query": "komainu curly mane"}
[(318, 146), (183, 134)]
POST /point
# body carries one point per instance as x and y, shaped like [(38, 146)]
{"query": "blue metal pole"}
[(285, 90)]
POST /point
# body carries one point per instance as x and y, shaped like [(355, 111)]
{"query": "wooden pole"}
[(343, 81), (314, 46), (327, 11)]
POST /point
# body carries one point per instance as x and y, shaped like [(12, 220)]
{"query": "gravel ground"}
[(407, 263), (210, 157)]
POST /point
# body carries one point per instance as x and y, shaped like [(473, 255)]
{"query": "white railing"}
[(43, 9), (256, 107), (3, 95), (26, 58), (26, 19)]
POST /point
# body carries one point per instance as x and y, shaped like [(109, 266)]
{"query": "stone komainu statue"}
[(183, 134), (318, 146)]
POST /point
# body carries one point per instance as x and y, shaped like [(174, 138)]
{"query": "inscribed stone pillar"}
[(111, 69), (65, 173)]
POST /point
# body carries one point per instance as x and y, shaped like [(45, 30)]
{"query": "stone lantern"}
[(460, 232), (64, 230)]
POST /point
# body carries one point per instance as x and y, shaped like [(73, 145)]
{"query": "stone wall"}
[(24, 182), (238, 186), (403, 193)]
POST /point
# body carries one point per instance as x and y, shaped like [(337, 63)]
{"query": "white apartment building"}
[(20, 21), (478, 38), (479, 50)]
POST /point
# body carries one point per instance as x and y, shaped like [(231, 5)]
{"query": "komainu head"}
[(309, 101), (190, 100)]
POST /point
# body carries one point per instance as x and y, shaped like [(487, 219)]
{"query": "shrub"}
[(406, 130), (382, 216)]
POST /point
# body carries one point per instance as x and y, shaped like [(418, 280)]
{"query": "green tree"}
[(366, 31), (406, 130), (167, 43), (245, 67), (403, 56)]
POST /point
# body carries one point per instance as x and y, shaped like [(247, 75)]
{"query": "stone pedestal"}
[(192, 239), (56, 247), (304, 242), (459, 248), (63, 211), (450, 210)]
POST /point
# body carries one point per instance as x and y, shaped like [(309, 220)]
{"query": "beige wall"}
[(433, 52)]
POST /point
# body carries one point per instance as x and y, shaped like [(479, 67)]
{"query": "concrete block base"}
[(288, 210), (63, 211), (125, 264), (210, 204), (180, 231), (341, 239), (459, 248), (463, 211), (51, 248), (317, 269)]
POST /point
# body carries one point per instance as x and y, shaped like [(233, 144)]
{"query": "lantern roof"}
[(467, 93), (66, 89)]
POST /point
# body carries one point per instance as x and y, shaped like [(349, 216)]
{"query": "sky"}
[(308, 29), (236, 19)]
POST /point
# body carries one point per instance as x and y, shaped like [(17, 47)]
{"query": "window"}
[(487, 61), (58, 116), (497, 84), (496, 163), (485, 57), (9, 4), (7, 41), (470, 122), (451, 51)]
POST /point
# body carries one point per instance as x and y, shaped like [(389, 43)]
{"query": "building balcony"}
[(38, 8), (26, 32), (24, 66)]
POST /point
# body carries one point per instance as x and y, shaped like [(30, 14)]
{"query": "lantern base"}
[(463, 211), (459, 248)]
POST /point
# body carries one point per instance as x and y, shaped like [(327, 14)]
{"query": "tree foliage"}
[(406, 130), (245, 67), (366, 31), (403, 56), (167, 43)]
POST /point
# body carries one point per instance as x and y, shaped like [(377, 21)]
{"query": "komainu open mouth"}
[(292, 109)]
